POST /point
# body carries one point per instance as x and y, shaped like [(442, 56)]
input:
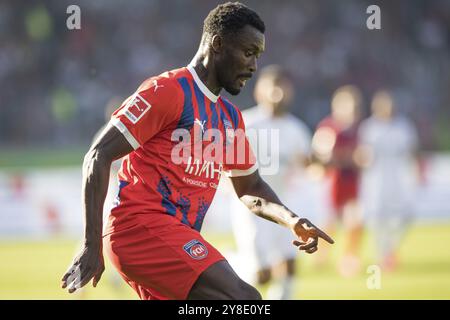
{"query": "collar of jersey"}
[(201, 85)]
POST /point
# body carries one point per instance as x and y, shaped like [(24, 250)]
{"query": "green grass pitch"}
[(32, 270)]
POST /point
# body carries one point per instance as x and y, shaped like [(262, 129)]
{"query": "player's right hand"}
[(87, 265)]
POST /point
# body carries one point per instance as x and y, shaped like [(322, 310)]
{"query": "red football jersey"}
[(345, 144), (184, 137), (344, 175)]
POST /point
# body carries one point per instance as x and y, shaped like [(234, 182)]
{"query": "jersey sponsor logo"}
[(195, 249), (194, 182), (213, 185), (207, 169), (136, 108)]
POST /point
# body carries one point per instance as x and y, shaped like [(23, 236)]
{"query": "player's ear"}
[(216, 43)]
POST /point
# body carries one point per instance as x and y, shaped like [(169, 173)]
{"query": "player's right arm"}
[(156, 105), (88, 264)]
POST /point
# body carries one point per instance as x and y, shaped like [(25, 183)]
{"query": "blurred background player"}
[(389, 144), (266, 248), (334, 144)]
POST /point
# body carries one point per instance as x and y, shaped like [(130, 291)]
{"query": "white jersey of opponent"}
[(261, 242), (388, 184)]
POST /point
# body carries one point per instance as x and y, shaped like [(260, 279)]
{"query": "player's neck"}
[(276, 113), (207, 74), (273, 111)]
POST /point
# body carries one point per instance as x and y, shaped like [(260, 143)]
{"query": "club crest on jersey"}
[(196, 249), (229, 131), (136, 108)]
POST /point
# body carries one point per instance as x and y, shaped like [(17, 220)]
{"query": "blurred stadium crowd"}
[(56, 82)]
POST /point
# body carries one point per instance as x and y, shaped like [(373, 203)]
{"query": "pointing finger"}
[(324, 236)]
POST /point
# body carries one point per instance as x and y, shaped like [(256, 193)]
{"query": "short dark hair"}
[(230, 17)]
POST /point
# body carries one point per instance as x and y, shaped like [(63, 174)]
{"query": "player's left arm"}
[(259, 198)]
